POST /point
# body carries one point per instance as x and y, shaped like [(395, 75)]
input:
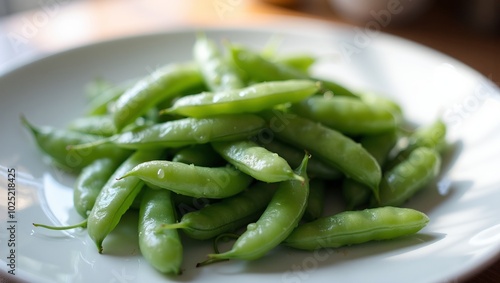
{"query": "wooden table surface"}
[(63, 24)]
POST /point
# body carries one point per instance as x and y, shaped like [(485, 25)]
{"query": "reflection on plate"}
[(461, 238)]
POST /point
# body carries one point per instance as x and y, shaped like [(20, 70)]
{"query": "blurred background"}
[(468, 30)]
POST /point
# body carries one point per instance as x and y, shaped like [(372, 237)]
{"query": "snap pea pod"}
[(409, 176), (356, 227), (256, 161), (293, 155), (227, 215), (199, 155), (299, 61), (100, 125), (89, 183), (379, 146), (217, 73), (54, 142), (432, 136), (102, 104), (329, 145), (191, 180), (280, 217), (348, 115), (147, 92), (96, 87), (261, 69), (251, 99), (163, 250), (184, 132), (116, 197)]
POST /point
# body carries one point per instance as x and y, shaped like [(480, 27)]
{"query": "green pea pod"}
[(256, 161), (217, 73), (163, 250), (431, 136), (199, 155), (379, 146), (281, 216), (116, 197), (147, 92), (89, 183), (252, 99), (316, 200), (187, 131), (356, 227), (293, 155), (102, 104), (191, 180), (329, 145), (227, 215), (100, 125), (55, 143), (299, 61), (261, 69), (348, 115), (96, 87), (408, 177)]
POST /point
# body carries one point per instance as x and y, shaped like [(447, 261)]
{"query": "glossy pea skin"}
[(251, 99), (54, 142), (162, 84), (89, 183), (356, 227), (199, 155), (191, 180), (262, 69), (185, 132), (101, 104), (163, 250), (327, 144), (256, 161), (299, 61), (227, 215), (116, 197), (405, 179), (280, 217), (293, 155), (217, 73), (348, 115), (101, 125)]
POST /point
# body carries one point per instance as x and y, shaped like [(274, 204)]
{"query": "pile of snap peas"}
[(255, 136)]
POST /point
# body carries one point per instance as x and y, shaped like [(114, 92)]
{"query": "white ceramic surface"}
[(461, 238)]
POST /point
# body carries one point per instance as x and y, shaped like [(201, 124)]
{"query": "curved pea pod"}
[(162, 84), (199, 155), (261, 69), (187, 131), (89, 183), (348, 115), (227, 215), (327, 144), (191, 180), (116, 197), (379, 146), (251, 99), (356, 227), (217, 73), (55, 143), (101, 125), (293, 155), (405, 179), (102, 104), (432, 136), (280, 217), (163, 250), (256, 161)]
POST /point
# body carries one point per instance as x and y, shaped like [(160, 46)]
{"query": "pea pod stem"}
[(82, 224)]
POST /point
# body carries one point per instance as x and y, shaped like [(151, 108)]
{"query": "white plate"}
[(461, 238)]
